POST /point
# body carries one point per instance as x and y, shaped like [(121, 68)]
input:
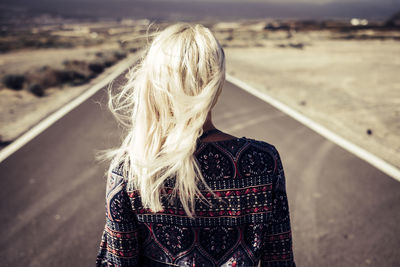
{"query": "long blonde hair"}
[(164, 105)]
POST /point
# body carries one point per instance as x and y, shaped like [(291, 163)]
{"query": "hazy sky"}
[(317, 2), (242, 1), (283, 1), (222, 9)]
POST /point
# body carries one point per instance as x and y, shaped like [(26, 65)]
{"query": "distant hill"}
[(195, 10)]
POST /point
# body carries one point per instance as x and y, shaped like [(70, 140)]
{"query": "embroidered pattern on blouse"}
[(215, 163), (248, 223)]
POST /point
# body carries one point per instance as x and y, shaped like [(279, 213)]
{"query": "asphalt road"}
[(344, 212)]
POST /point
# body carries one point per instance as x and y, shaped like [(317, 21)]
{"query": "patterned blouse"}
[(248, 225)]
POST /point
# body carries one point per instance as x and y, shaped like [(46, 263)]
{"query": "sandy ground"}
[(16, 62), (87, 43), (348, 86), (21, 110)]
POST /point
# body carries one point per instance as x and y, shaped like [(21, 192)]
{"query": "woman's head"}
[(187, 58), (165, 104)]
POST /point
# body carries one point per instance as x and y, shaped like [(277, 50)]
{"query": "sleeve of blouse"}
[(278, 250), (119, 244)]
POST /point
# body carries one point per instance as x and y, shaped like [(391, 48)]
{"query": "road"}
[(344, 212)]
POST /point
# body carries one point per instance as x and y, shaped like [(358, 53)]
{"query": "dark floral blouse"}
[(248, 225)]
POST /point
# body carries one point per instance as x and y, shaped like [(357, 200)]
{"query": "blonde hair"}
[(164, 105)]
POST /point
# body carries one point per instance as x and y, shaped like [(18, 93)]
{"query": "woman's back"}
[(249, 221)]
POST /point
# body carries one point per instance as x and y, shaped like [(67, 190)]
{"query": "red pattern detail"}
[(120, 234), (221, 193), (280, 236), (210, 213), (121, 253)]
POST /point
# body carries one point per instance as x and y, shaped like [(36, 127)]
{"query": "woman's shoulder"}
[(260, 143), (263, 145), (268, 148), (240, 144), (245, 142), (243, 157), (117, 169), (116, 175)]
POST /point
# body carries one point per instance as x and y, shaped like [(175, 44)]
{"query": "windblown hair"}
[(164, 105)]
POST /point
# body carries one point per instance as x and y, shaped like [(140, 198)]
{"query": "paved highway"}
[(344, 212)]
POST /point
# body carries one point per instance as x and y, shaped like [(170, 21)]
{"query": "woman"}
[(180, 192)]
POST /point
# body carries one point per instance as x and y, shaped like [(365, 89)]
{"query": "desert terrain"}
[(342, 75), (45, 66), (351, 87)]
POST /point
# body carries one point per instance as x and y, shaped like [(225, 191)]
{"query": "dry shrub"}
[(14, 81)]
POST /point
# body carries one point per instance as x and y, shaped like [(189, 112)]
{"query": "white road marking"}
[(375, 161), (51, 119)]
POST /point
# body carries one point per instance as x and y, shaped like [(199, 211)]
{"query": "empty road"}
[(344, 212)]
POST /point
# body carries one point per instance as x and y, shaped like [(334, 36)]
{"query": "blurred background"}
[(336, 62)]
